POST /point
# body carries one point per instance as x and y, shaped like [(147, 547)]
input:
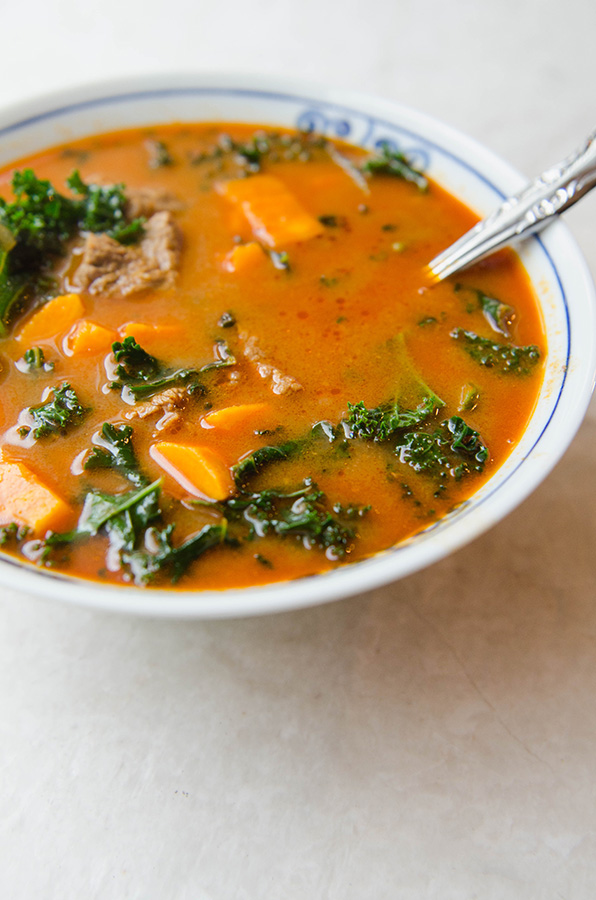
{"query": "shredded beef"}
[(108, 267), (168, 403), (280, 383)]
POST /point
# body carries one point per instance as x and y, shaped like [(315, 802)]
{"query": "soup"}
[(224, 364)]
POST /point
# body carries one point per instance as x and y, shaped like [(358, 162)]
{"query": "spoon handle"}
[(525, 213)]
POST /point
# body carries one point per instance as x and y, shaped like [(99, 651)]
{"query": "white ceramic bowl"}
[(468, 170)]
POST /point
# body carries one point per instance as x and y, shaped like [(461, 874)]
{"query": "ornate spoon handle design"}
[(525, 213)]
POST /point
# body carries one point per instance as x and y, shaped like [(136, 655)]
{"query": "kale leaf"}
[(114, 450), (303, 514), (499, 315), (451, 450), (123, 517), (34, 361), (505, 358), (132, 362), (103, 208), (57, 415), (381, 422), (175, 560), (259, 459), (141, 375)]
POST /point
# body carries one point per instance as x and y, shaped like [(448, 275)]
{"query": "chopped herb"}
[(504, 358), (280, 260), (13, 532), (59, 414), (333, 221), (428, 320), (389, 227), (263, 560), (226, 320), (392, 162), (328, 282), (159, 155)]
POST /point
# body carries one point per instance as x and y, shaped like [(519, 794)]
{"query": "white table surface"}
[(432, 739)]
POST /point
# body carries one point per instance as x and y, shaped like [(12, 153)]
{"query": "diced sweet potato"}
[(276, 216), (231, 417), (151, 337), (243, 257), (199, 470), (52, 319), (87, 338), (26, 500)]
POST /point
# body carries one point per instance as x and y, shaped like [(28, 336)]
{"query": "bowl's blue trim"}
[(372, 123), (243, 92)]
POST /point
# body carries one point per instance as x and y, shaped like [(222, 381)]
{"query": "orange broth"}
[(353, 305)]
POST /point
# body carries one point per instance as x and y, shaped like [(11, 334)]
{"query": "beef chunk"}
[(108, 267), (147, 201)]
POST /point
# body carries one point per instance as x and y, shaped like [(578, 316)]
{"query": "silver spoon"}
[(525, 213)]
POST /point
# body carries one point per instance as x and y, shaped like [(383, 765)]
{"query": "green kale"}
[(124, 518), (499, 315), (175, 561), (504, 358), (132, 362), (451, 450), (141, 375), (392, 162), (103, 208), (302, 514), (114, 450), (259, 459), (34, 361), (381, 422), (59, 414)]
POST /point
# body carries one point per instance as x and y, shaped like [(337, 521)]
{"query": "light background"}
[(432, 739)]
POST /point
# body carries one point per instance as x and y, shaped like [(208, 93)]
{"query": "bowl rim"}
[(372, 572)]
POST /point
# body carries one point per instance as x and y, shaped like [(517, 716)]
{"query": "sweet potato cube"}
[(150, 336), (276, 216), (243, 257), (26, 500), (52, 319), (199, 470), (231, 417), (87, 338)]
